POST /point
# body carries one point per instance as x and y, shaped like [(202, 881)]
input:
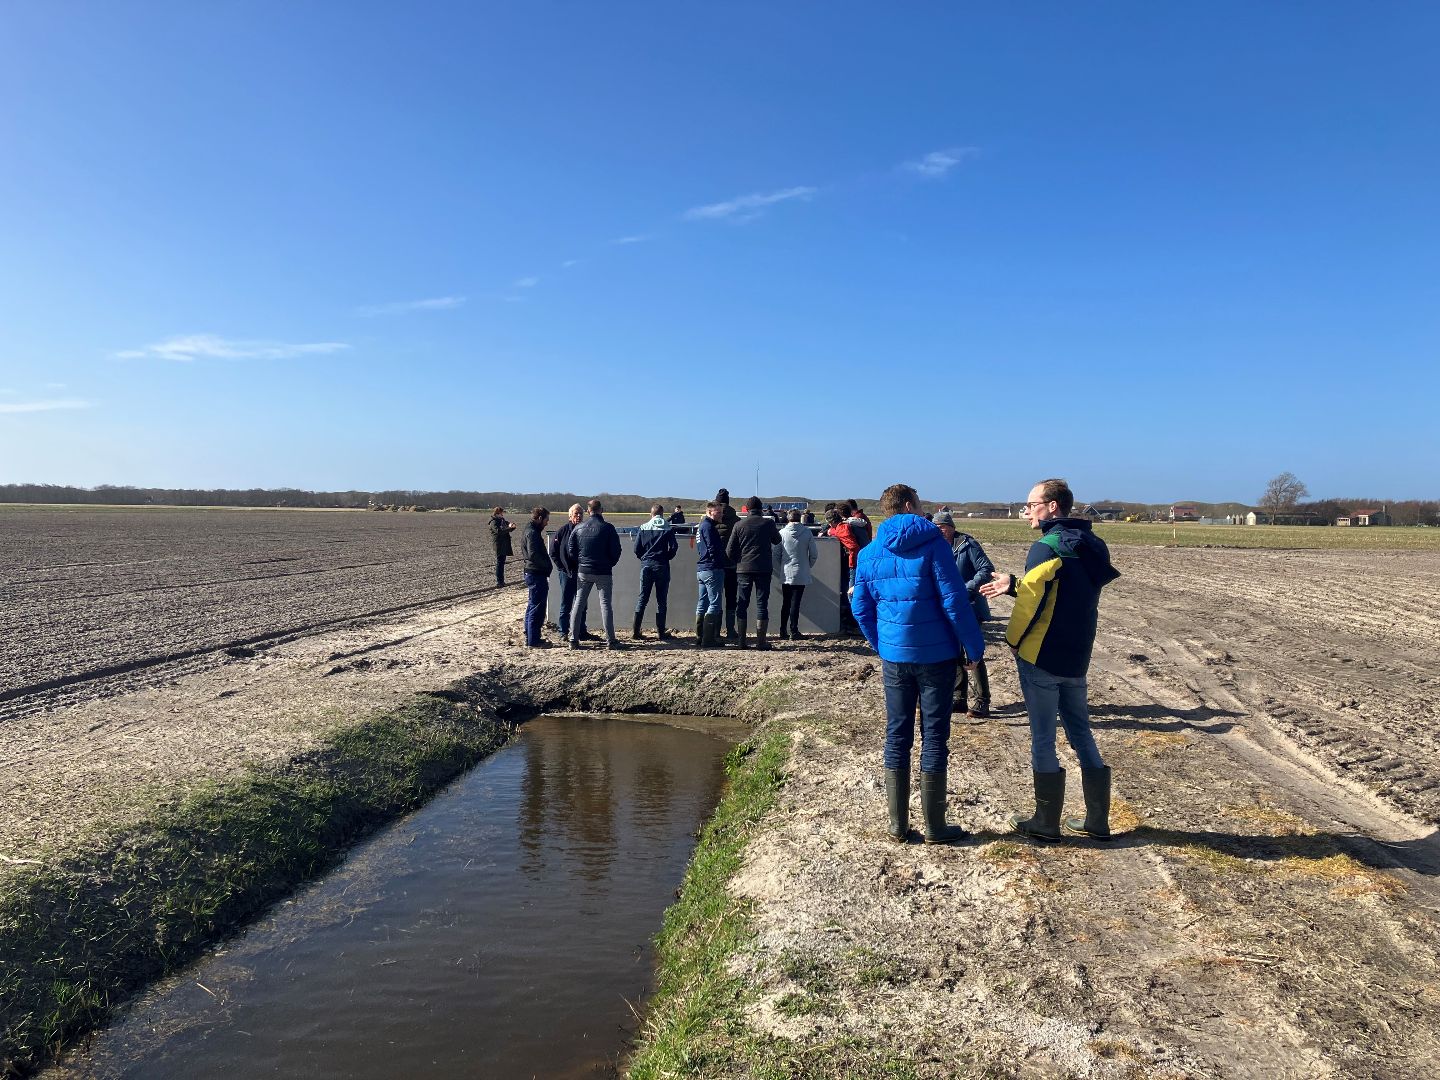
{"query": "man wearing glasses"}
[(1051, 633)]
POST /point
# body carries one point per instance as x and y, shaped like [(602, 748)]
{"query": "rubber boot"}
[(981, 711), (784, 630), (1096, 822), (660, 631), (932, 803), (712, 631), (740, 633), (795, 634), (635, 631), (761, 626), (700, 631), (730, 625), (897, 797), (961, 705), (1049, 801)]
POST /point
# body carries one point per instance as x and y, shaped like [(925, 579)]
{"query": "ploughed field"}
[(92, 601)]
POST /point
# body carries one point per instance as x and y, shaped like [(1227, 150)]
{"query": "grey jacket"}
[(798, 554)]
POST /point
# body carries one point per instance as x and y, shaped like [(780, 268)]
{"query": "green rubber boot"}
[(932, 803), (1096, 822), (1049, 801), (897, 798)]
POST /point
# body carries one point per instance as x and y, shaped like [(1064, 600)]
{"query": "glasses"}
[(1031, 505)]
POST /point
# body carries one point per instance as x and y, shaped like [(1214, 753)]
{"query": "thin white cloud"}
[(568, 263), (437, 303), (43, 406), (630, 239), (525, 283), (188, 347), (939, 162), (746, 207)]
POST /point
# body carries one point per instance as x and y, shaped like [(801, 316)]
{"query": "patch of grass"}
[(1273, 820), (1007, 851), (872, 969), (768, 697), (1124, 817), (1218, 861), (1113, 1049), (78, 936), (1153, 743), (1348, 876)]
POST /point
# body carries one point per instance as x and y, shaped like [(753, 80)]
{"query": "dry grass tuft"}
[(1159, 742), (1273, 820), (1124, 816), (1348, 876)]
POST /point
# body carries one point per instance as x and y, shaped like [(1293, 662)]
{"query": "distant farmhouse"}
[(1258, 517), (1184, 512), (1364, 517)]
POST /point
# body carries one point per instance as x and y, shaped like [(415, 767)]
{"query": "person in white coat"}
[(798, 554)]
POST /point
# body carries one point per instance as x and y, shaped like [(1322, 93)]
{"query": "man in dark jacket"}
[(677, 516), (500, 530), (594, 549), (911, 606), (725, 523), (569, 574), (709, 578), (655, 546), (749, 551), (537, 576), (1051, 633), (975, 570)]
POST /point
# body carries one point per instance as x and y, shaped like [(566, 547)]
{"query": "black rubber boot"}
[(932, 804), (712, 631), (730, 625), (761, 627), (897, 797), (981, 711), (1049, 801), (740, 633), (961, 705), (1096, 822), (660, 631), (700, 631), (635, 630)]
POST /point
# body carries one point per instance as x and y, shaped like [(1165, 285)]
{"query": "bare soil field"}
[(1269, 911)]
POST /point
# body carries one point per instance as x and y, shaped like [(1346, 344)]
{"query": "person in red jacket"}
[(840, 530)]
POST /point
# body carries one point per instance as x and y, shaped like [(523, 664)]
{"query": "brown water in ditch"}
[(501, 931)]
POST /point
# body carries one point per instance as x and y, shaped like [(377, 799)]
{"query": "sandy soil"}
[(1269, 716)]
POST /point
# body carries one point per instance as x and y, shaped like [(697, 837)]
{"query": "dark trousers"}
[(657, 578), (499, 569), (931, 687), (760, 585), (790, 605), (731, 587), (848, 625), (538, 589), (962, 687), (568, 584)]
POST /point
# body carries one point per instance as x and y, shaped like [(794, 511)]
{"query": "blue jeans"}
[(658, 578), (711, 584), (568, 582), (760, 584), (538, 590), (605, 583), (1046, 698), (931, 686)]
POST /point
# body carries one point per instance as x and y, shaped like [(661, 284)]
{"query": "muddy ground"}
[(1270, 718)]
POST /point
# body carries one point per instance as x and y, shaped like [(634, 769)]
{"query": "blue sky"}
[(1166, 251)]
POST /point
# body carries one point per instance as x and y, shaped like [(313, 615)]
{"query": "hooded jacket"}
[(594, 547), (976, 568), (841, 531), (709, 548), (748, 548), (655, 543), (1057, 601), (909, 598), (532, 550), (799, 554)]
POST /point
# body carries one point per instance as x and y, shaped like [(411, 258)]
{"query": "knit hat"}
[(944, 517)]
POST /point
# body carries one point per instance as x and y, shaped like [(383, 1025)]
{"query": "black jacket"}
[(532, 550), (750, 545), (594, 546), (560, 549)]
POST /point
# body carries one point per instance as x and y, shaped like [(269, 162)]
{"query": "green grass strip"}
[(79, 937)]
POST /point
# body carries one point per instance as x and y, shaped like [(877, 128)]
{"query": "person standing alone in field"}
[(748, 551), (798, 554), (594, 549), (975, 570), (912, 608), (1051, 633), (655, 546), (500, 531), (537, 576)]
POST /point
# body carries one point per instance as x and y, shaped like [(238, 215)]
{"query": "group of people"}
[(918, 611), (919, 593)]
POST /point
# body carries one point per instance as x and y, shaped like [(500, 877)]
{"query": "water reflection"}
[(497, 932)]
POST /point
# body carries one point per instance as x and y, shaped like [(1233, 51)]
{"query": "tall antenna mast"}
[(757, 479)]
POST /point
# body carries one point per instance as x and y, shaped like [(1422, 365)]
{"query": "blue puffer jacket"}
[(909, 598)]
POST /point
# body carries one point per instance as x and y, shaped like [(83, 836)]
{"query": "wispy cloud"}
[(525, 283), (637, 239), (939, 162), (189, 347), (746, 207), (568, 263), (401, 307), (43, 406)]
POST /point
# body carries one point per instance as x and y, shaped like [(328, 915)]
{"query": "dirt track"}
[(1270, 718)]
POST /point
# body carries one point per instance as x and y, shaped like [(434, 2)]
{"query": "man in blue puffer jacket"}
[(912, 607)]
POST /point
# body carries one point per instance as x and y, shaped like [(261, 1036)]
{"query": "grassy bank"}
[(80, 935)]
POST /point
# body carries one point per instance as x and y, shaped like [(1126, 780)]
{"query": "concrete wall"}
[(819, 609)]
